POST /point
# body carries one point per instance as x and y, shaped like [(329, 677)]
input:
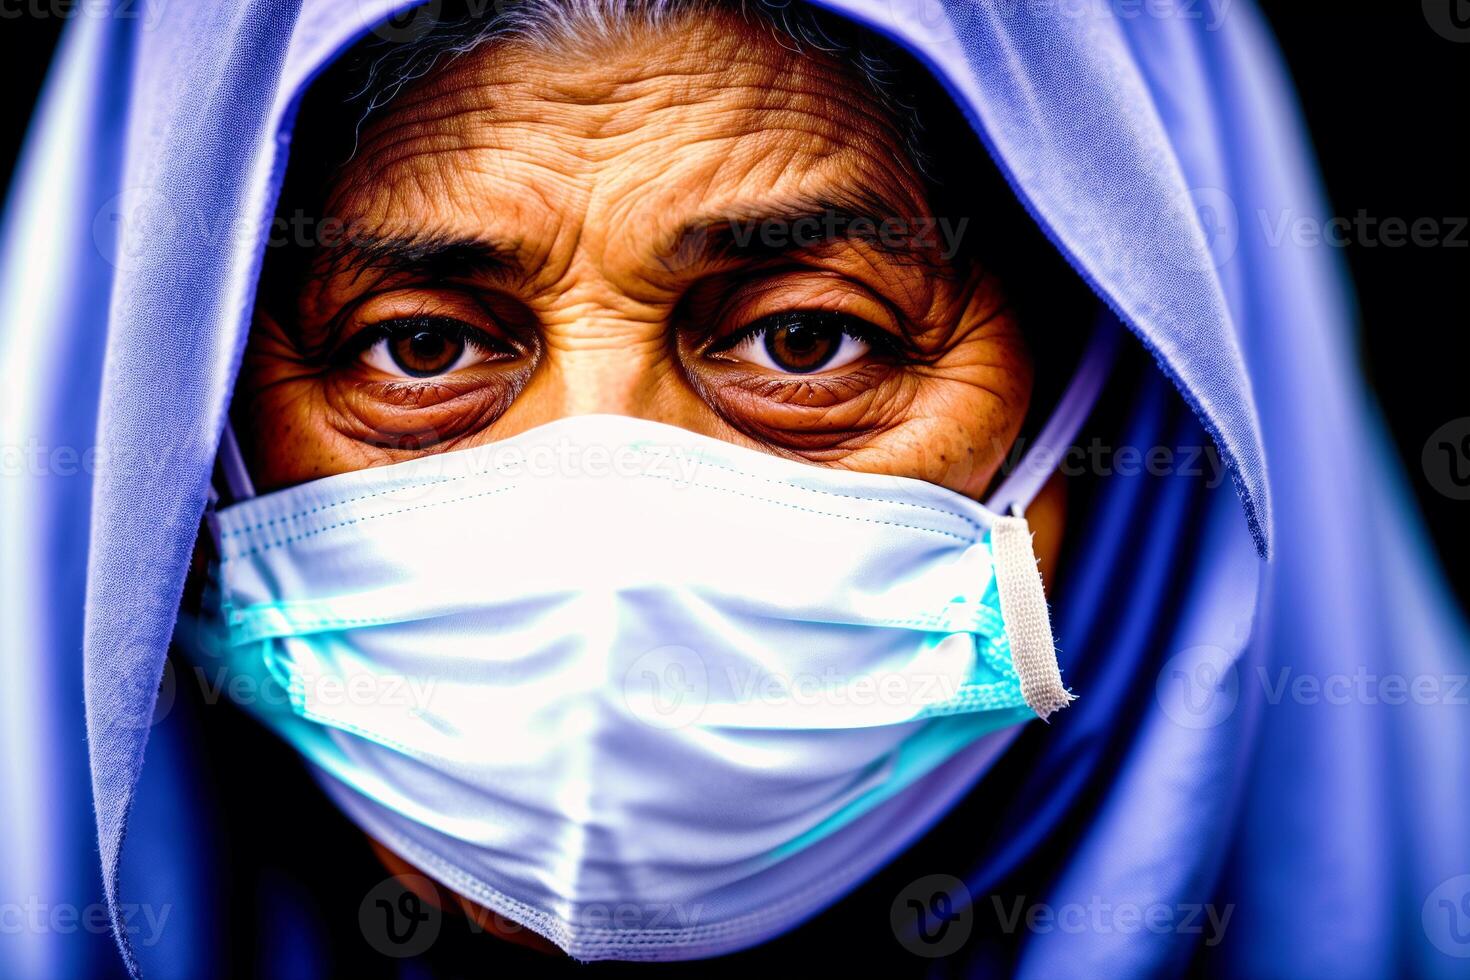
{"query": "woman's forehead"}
[(683, 114)]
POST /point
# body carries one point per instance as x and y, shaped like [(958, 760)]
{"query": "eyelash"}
[(360, 342), (882, 342)]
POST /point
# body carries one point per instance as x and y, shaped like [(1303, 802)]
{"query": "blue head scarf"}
[(1145, 140)]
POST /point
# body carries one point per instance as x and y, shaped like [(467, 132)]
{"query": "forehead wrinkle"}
[(770, 146), (601, 136), (600, 147), (728, 67), (536, 224)]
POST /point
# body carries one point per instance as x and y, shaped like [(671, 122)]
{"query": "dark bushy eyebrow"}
[(748, 234), (429, 257), (786, 228)]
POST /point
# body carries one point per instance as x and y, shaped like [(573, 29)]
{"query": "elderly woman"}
[(647, 460)]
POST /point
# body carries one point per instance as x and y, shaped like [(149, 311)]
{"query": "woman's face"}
[(696, 226)]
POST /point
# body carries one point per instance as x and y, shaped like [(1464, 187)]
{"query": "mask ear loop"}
[(229, 466), (1023, 607), (232, 466), (1022, 484)]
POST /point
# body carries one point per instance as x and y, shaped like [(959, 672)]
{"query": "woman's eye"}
[(801, 342), (426, 348)]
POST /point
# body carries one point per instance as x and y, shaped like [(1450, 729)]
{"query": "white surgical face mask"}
[(649, 694)]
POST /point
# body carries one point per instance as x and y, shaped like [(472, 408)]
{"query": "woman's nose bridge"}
[(603, 365)]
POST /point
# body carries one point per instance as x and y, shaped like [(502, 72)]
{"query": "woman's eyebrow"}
[(780, 229), (430, 256)]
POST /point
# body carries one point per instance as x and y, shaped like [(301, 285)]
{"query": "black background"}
[(1387, 100)]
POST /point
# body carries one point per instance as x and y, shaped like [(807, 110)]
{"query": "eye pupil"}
[(425, 352), (426, 345), (803, 345)]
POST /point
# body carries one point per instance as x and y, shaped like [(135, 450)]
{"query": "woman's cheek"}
[(956, 425)]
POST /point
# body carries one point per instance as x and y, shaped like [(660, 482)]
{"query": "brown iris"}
[(423, 352), (803, 342)]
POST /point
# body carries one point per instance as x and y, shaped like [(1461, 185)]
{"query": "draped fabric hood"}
[(1144, 145)]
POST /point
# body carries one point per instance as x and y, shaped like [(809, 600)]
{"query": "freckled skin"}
[(588, 161)]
